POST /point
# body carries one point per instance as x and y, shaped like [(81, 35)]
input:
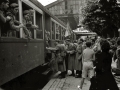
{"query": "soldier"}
[(13, 24), (25, 22), (4, 5), (60, 57), (71, 55), (78, 59)]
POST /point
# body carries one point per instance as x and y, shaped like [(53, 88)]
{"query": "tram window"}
[(39, 31), (57, 31), (53, 30), (28, 13), (63, 34), (7, 28), (60, 35)]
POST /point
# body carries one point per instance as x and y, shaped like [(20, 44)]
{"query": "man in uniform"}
[(4, 5), (60, 57), (13, 24), (71, 50)]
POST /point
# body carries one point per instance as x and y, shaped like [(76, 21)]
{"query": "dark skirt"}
[(103, 81)]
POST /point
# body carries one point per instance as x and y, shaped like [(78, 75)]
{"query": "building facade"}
[(69, 11)]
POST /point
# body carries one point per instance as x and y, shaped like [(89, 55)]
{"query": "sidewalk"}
[(68, 83)]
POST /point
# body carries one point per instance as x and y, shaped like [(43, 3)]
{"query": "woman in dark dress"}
[(104, 79)]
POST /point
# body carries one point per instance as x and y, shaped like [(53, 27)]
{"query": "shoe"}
[(79, 87)]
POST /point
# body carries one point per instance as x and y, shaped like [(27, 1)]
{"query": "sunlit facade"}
[(68, 11)]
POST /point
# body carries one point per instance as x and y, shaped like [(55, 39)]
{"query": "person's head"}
[(57, 42), (26, 14), (80, 41), (14, 8), (105, 46), (93, 40), (4, 4), (88, 44), (67, 41)]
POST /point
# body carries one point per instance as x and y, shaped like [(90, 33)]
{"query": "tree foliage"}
[(102, 17)]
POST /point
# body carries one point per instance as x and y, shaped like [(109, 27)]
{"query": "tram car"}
[(20, 55)]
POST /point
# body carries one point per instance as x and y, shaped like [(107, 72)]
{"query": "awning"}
[(85, 33)]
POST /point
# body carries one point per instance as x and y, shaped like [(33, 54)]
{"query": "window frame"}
[(60, 25), (36, 9)]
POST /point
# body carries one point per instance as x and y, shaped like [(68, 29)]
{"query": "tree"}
[(102, 17)]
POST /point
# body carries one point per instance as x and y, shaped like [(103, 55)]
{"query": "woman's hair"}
[(105, 46), (88, 44), (118, 41)]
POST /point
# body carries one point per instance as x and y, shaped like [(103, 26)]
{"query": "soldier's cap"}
[(31, 10), (25, 12), (13, 5)]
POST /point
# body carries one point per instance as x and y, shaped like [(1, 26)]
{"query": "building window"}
[(57, 31)]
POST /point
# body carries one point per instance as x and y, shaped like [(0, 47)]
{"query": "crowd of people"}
[(89, 58)]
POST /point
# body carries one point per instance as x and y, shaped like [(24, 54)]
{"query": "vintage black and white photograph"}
[(60, 44)]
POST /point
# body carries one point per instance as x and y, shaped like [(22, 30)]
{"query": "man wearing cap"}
[(4, 5), (71, 49), (25, 22), (60, 57), (13, 25)]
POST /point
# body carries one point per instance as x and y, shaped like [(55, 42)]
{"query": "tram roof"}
[(39, 5)]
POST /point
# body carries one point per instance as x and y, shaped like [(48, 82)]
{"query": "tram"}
[(18, 54)]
